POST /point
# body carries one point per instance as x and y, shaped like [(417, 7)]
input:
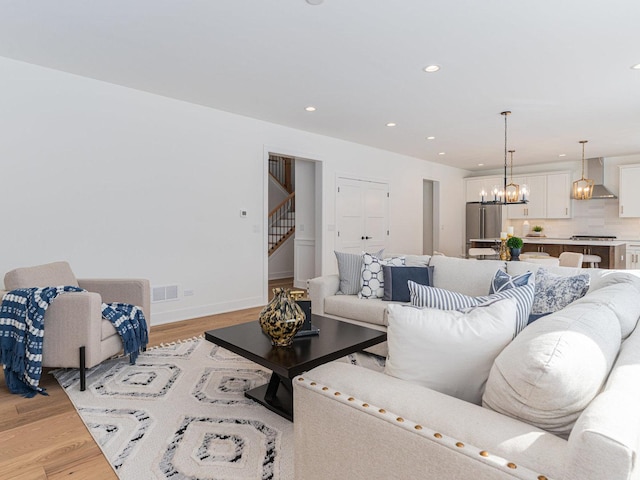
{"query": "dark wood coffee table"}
[(336, 339)]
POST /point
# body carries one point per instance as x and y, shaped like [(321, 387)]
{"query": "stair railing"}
[(281, 170), (281, 224)]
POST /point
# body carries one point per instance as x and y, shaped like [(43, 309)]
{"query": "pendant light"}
[(506, 193), (583, 188), (511, 190)]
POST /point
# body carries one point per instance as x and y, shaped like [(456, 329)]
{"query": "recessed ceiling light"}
[(391, 124), (636, 67), (314, 2), (481, 164), (310, 108), (441, 153), (431, 138), (431, 68), (562, 155)]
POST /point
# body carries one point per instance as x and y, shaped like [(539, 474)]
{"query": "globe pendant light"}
[(583, 188)]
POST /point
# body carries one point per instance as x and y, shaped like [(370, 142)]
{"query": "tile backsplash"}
[(590, 217)]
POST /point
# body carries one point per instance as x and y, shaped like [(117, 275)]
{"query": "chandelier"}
[(507, 193), (583, 188)]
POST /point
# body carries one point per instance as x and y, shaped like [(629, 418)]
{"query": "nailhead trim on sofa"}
[(464, 448)]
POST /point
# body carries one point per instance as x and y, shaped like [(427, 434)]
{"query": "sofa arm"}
[(73, 320), (376, 426), (135, 291), (320, 288)]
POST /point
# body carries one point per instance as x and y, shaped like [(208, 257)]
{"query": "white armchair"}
[(76, 335)]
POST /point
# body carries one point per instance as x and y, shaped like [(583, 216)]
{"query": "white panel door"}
[(362, 211)]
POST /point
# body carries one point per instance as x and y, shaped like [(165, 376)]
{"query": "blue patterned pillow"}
[(503, 281), (425, 296), (554, 292)]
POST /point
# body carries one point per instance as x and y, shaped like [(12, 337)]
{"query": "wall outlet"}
[(243, 213)]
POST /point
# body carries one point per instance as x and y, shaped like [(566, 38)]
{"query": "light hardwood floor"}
[(43, 438)]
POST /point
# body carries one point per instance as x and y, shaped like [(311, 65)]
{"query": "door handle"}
[(366, 238), (362, 238)]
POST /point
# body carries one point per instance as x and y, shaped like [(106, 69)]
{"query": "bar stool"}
[(592, 260)]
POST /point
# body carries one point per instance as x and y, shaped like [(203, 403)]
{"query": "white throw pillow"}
[(372, 275), (551, 371), (448, 351)]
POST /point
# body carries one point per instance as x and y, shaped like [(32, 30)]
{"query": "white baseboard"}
[(279, 275), (204, 310)]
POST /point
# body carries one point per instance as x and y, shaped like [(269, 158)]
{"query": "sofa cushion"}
[(448, 351), (554, 292), (503, 281), (372, 275), (471, 277), (624, 301), (48, 275), (350, 270), (550, 372), (412, 260), (396, 281), (425, 296), (352, 307)]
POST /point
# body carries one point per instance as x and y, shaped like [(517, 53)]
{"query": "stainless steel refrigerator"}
[(483, 221)]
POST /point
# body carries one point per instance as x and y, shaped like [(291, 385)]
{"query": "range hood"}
[(595, 171)]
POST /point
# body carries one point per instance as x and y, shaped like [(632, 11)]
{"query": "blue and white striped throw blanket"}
[(22, 333)]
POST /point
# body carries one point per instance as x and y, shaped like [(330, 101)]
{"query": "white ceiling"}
[(562, 67)]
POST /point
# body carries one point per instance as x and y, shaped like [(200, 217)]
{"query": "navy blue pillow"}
[(396, 278)]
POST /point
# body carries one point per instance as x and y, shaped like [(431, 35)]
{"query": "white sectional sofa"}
[(353, 422)]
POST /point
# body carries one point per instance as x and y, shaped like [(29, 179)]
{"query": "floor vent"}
[(164, 293)]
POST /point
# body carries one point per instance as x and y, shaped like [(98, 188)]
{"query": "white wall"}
[(125, 183), (281, 261)]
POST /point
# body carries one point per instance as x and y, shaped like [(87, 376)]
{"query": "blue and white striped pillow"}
[(425, 296)]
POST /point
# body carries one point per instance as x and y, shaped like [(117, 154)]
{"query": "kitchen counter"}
[(611, 252), (561, 241)]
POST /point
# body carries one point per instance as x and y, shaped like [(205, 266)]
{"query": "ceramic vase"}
[(281, 318)]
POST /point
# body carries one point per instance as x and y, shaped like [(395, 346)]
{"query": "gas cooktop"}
[(601, 238)]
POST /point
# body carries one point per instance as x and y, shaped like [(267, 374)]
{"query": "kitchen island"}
[(612, 252)]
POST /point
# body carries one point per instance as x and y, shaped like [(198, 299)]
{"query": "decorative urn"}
[(281, 318)]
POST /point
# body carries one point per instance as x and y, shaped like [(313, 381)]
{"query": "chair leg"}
[(83, 371)]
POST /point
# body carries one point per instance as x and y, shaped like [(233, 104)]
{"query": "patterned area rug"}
[(180, 413)]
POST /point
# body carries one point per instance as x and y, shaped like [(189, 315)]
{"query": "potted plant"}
[(515, 247), (537, 230)]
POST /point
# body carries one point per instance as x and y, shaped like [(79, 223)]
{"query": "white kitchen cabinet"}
[(558, 195), (633, 256), (473, 187), (629, 195), (537, 196)]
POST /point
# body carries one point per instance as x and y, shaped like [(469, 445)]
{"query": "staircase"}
[(282, 219)]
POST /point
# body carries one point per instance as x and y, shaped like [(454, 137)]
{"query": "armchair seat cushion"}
[(107, 329)]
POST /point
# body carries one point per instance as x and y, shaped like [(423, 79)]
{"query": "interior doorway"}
[(430, 216), (293, 214)]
